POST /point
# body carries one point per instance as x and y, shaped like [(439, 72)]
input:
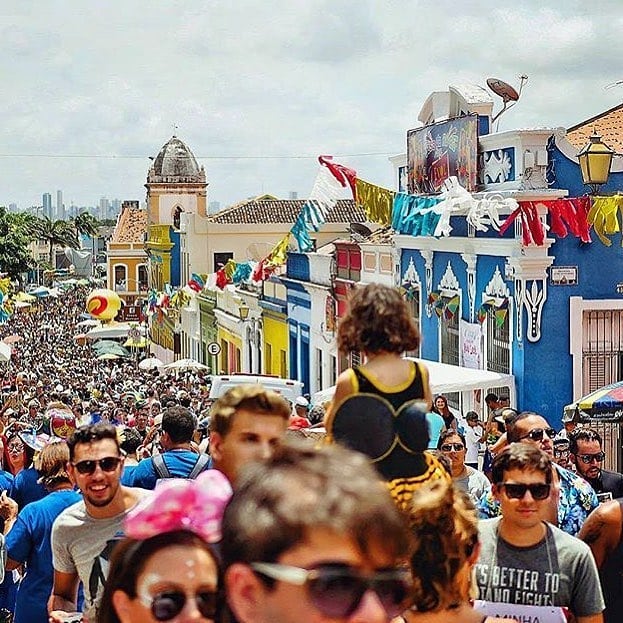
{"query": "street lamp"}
[(243, 312), (595, 159)]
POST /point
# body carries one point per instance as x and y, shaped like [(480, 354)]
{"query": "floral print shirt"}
[(577, 500)]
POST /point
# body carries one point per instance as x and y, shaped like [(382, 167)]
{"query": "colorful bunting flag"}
[(501, 312), (197, 282), (451, 307)]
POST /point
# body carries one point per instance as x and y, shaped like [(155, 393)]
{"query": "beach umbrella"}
[(11, 339), (150, 363), (604, 404), (182, 365)]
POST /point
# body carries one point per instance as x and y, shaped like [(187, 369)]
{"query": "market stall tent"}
[(447, 379)]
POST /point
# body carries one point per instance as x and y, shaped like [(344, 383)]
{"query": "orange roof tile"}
[(608, 124), (131, 226)]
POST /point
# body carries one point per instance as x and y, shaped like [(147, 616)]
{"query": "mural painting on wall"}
[(441, 150)]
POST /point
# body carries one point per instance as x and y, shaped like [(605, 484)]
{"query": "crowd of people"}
[(128, 497)]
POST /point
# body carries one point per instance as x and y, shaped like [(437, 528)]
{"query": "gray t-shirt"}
[(473, 482), (82, 544), (558, 571)]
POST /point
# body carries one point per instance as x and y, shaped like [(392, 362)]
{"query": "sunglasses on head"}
[(589, 458), (449, 447), (166, 606), (536, 434), (538, 491), (107, 464), (337, 590)]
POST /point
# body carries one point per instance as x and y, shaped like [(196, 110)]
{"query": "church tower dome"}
[(176, 163)]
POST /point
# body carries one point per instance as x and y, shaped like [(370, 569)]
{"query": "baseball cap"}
[(301, 401)]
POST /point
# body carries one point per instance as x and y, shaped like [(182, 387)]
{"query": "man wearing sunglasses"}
[(525, 560), (586, 453), (84, 535), (312, 535), (572, 497)]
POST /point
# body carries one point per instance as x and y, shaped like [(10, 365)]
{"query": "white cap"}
[(301, 401), (59, 388)]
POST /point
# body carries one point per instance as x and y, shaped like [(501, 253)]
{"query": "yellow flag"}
[(377, 202), (278, 255), (603, 216)]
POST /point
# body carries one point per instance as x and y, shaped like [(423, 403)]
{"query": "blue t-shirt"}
[(127, 476), (8, 588), (435, 426), (179, 462), (26, 489), (29, 541)]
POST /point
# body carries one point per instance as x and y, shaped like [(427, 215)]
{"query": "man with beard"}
[(586, 454), (82, 534)]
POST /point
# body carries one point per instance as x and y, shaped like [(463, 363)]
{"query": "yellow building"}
[(127, 259)]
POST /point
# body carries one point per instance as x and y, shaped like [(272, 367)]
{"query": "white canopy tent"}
[(446, 379)]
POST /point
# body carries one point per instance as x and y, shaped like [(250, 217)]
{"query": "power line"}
[(143, 157)]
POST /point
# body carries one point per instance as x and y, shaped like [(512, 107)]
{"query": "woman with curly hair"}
[(379, 326), (444, 525)]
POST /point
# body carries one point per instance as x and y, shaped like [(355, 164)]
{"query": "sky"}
[(258, 90)]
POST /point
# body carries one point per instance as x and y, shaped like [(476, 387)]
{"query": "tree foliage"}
[(15, 237)]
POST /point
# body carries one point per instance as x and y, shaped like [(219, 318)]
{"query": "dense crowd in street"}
[(128, 496)]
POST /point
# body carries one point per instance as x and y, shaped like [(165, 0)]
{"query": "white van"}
[(289, 389)]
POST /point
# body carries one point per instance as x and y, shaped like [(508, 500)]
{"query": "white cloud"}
[(283, 78)]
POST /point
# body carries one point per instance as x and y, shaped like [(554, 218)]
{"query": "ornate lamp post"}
[(595, 159)]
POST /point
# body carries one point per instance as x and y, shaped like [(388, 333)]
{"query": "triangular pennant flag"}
[(501, 313), (451, 307)]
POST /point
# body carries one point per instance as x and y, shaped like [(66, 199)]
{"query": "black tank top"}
[(611, 575), (396, 395)]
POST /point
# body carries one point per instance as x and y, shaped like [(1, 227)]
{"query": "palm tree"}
[(86, 224), (56, 233)]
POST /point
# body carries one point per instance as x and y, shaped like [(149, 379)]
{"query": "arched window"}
[(121, 277), (177, 212), (142, 276)]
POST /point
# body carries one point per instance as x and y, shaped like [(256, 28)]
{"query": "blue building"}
[(506, 275)]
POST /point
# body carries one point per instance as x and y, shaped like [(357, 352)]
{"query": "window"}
[(333, 379), (602, 348), (177, 212), (449, 329), (121, 277), (220, 259), (498, 343), (319, 362), (269, 358), (413, 303), (142, 277), (283, 364)]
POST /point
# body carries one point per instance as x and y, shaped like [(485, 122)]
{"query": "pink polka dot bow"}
[(179, 504)]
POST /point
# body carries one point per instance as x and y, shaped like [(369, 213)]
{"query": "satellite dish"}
[(508, 93), (361, 229), (503, 89)]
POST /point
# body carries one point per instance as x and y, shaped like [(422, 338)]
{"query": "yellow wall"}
[(276, 342)]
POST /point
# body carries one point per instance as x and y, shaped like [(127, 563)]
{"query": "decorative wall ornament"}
[(498, 165), (449, 280), (410, 275), (534, 298), (470, 260), (428, 264), (497, 286), (519, 299)]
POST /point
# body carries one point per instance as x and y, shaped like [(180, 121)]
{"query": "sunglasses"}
[(15, 448), (166, 606), (560, 453), (449, 447), (107, 464), (337, 590), (589, 458), (536, 434), (538, 491)]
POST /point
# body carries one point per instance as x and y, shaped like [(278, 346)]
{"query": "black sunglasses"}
[(539, 491), (536, 434), (589, 458), (337, 590), (166, 606), (107, 464), (448, 447)]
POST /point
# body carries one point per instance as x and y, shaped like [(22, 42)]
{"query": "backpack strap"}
[(200, 465), (160, 467)]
